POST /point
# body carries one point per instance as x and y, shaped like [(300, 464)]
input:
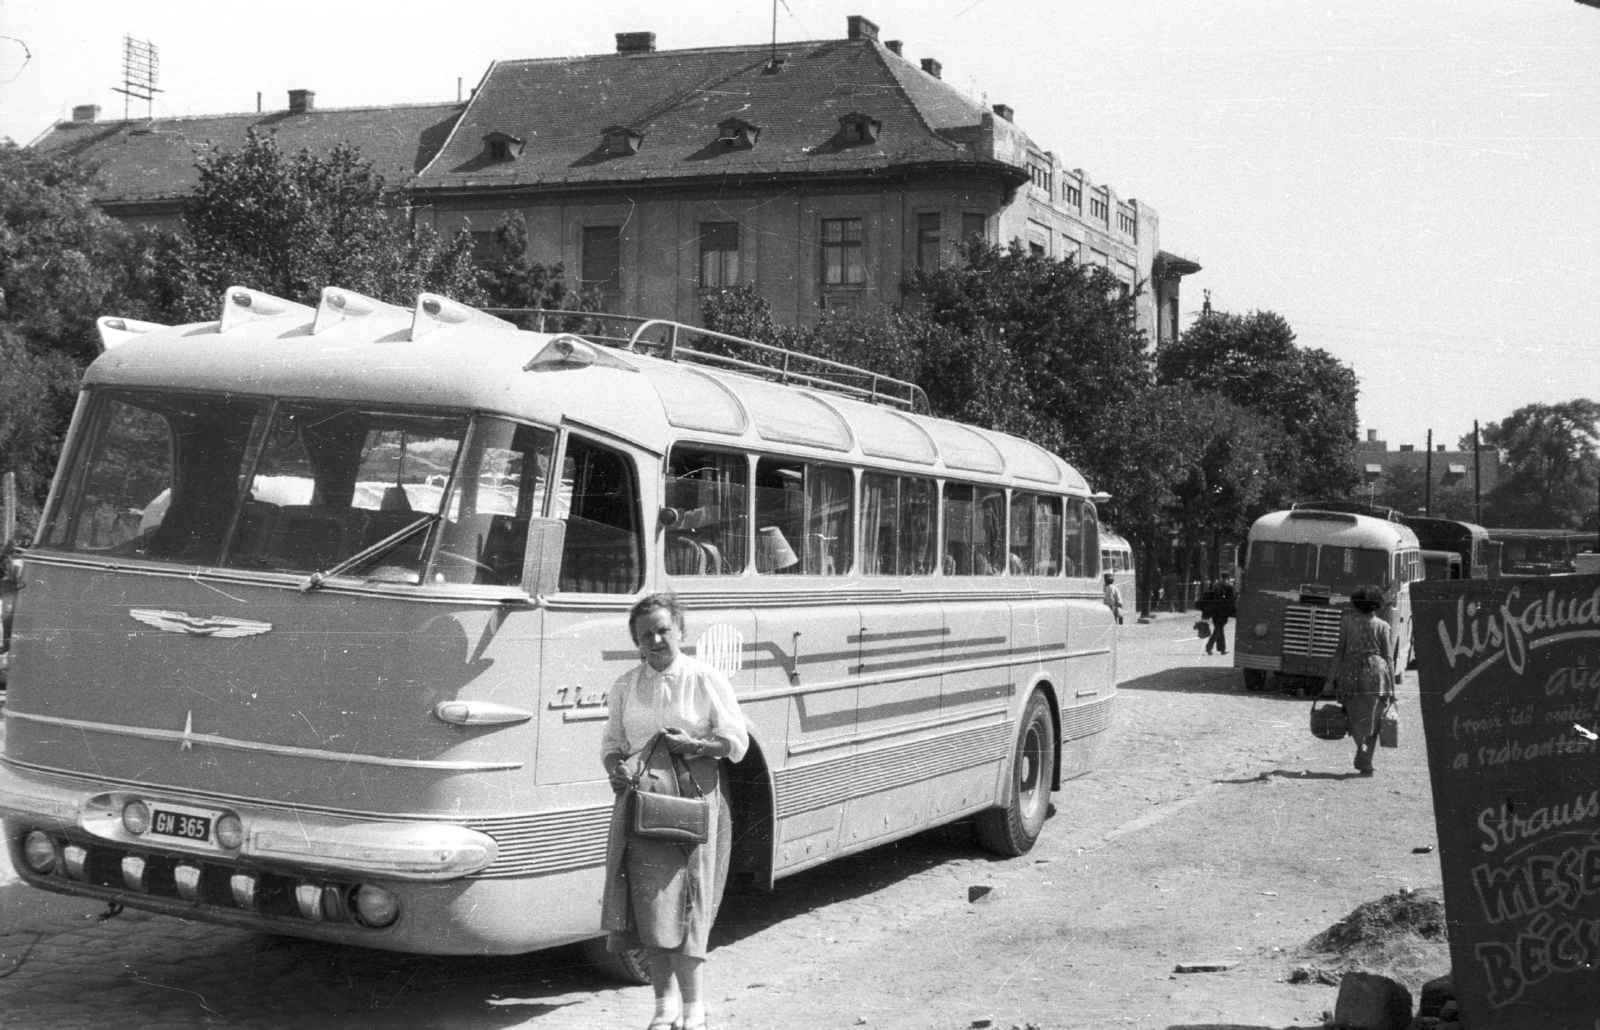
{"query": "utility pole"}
[(1427, 479), (1477, 482)]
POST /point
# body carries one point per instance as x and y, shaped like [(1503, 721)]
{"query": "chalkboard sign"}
[(1510, 677)]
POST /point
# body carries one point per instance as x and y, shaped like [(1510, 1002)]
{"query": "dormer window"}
[(737, 134), (620, 141), (856, 128), (502, 146)]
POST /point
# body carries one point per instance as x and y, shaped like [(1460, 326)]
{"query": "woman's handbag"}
[(1329, 722), (1202, 628), (658, 815), (1389, 725)]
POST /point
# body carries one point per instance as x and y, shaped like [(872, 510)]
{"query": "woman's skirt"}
[(1363, 681), (665, 895)]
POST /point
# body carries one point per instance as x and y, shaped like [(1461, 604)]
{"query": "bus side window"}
[(1072, 561), (1091, 536), (708, 490), (897, 519), (598, 499), (805, 518)]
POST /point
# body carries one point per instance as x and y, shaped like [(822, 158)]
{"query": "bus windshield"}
[(299, 486), (1276, 563)]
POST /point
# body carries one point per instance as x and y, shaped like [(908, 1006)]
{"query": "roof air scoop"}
[(114, 332), (436, 312), (241, 305), (339, 305)]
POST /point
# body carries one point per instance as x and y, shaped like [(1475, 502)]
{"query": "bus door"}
[(586, 640), (807, 630)]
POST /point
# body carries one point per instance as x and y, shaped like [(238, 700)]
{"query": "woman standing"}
[(660, 895), (1363, 679)]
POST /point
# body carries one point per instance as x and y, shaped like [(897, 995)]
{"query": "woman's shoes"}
[(663, 1023)]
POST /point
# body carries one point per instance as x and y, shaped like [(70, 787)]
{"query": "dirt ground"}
[(1217, 830)]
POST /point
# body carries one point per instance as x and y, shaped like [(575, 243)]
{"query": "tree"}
[(1551, 465), (1307, 394), (291, 225), (37, 390), (511, 280), (62, 262)]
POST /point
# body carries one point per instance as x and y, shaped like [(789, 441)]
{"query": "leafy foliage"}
[(1552, 465), (1306, 395), (62, 262), (290, 225), (37, 390)]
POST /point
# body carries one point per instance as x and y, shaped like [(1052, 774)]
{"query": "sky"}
[(1412, 184)]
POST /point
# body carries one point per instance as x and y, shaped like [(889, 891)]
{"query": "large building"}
[(820, 172), (1451, 480)]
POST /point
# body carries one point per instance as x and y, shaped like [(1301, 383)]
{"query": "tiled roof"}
[(152, 160), (676, 99)]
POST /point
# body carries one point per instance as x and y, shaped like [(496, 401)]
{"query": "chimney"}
[(1372, 436), (302, 100), (932, 67), (1004, 111), (894, 46), (86, 112), (636, 42), (1407, 447), (861, 28), (1441, 448)]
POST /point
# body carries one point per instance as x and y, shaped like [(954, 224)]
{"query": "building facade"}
[(821, 173), (1449, 481)]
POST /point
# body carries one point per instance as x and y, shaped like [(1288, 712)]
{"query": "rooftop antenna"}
[(141, 66), (774, 59)]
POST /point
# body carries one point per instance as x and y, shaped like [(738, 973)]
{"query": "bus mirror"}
[(541, 566), (8, 518)]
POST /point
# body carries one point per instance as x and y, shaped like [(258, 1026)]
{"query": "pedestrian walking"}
[(662, 895), (1363, 678), (1218, 604), (1113, 597)]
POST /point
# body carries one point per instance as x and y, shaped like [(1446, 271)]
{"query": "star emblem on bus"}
[(199, 626)]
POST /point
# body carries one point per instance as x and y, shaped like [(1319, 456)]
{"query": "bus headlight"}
[(1261, 629), (39, 851), (230, 831), (136, 817), (376, 907)]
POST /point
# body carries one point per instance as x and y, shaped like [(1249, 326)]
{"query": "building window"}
[(842, 263), (602, 263), (974, 224), (1099, 207), (1127, 222), (928, 240), (1040, 174), (719, 254), (1072, 194), (1036, 249)]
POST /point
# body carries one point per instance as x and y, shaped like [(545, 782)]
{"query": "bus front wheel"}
[(1011, 828), (1255, 680)]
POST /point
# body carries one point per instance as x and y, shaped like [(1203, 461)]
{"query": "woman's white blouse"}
[(688, 694)]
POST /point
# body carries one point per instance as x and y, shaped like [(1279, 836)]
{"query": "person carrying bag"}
[(673, 726)]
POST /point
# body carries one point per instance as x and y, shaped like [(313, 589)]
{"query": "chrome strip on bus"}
[(187, 738), (895, 731), (912, 674)]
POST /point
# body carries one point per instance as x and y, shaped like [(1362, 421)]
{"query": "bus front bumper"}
[(258, 834)]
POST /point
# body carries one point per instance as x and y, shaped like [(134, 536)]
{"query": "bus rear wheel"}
[(1011, 828), (629, 967)]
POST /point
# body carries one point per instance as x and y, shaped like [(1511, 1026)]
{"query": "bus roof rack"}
[(667, 340)]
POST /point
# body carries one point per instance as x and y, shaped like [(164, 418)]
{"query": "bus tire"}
[(629, 967), (1255, 680), (1011, 829)]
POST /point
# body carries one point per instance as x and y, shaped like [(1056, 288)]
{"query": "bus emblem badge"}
[(208, 626)]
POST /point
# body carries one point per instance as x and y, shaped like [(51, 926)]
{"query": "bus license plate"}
[(194, 826)]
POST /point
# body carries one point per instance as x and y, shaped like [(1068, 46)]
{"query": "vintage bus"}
[(1465, 539), (1541, 552), (1300, 568), (318, 627), (1116, 557)]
